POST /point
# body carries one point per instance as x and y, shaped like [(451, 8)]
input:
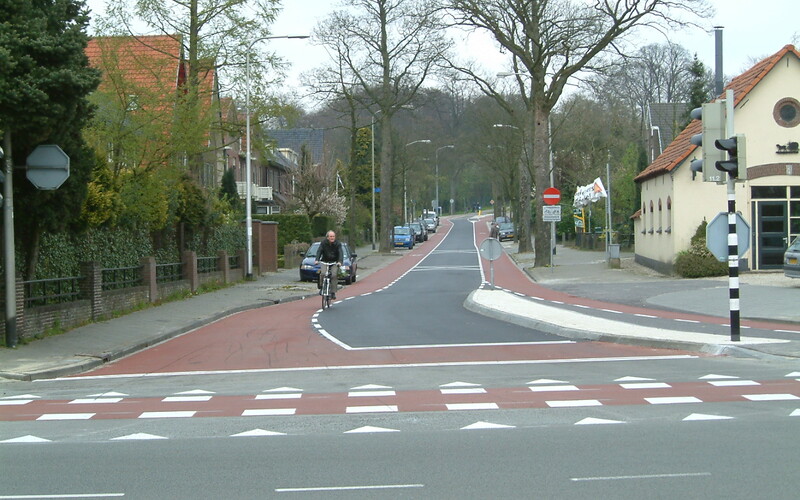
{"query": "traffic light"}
[(712, 115), (735, 147)]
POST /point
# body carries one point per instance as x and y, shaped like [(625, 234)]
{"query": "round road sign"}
[(491, 249), (552, 196)]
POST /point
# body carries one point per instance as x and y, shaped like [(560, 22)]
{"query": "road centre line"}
[(348, 488), (641, 476), (373, 366), (67, 495)]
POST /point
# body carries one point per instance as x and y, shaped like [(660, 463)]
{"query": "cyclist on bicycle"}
[(330, 250)]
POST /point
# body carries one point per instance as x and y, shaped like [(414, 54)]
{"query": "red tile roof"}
[(679, 149)]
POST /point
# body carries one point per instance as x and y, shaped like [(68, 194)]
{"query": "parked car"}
[(505, 231), (502, 219), (430, 225), (403, 237), (347, 271), (420, 232), (791, 259)]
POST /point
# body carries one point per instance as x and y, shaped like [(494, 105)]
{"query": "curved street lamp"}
[(405, 205), (248, 168)]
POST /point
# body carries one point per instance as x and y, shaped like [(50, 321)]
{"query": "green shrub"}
[(698, 261)]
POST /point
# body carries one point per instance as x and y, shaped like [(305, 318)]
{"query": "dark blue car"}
[(347, 271)]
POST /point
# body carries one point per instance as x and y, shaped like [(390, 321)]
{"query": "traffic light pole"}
[(733, 240)]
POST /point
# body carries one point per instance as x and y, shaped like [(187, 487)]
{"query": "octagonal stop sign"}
[(48, 167)]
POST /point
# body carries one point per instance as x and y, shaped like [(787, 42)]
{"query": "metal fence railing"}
[(122, 277), (206, 265), (169, 272), (52, 291)]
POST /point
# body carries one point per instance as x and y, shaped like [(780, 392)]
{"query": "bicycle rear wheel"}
[(326, 290)]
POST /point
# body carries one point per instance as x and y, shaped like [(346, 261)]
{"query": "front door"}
[(771, 234)]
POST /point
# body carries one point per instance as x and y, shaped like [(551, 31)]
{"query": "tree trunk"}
[(385, 230), (541, 161)]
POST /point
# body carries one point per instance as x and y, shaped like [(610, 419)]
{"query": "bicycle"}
[(325, 291)]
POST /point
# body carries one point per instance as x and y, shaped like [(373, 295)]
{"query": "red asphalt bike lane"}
[(509, 276), (281, 336)]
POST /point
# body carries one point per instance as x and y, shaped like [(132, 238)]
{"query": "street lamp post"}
[(248, 168), (405, 207), (436, 173)]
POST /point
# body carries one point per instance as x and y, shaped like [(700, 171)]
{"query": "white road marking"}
[(264, 412), (86, 401), (673, 400), (466, 390), (364, 394), (186, 399), (486, 425), (646, 385), (770, 397), (66, 416), (27, 439), (615, 359), (348, 488), (598, 421), (258, 433), (642, 476), (140, 436), (472, 406), (573, 403), (702, 416), (732, 383), (63, 495), (279, 396), (369, 429), (167, 414), (372, 409), (553, 388)]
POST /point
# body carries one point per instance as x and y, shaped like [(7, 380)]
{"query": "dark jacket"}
[(330, 252)]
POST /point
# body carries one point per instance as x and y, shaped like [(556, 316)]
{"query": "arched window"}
[(668, 230), (652, 218), (660, 218)]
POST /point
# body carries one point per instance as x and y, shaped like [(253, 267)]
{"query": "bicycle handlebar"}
[(328, 263)]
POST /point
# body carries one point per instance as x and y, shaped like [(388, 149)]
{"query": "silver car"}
[(791, 259)]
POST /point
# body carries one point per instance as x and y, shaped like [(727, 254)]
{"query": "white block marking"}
[(770, 397), (673, 400), (372, 409), (66, 416), (472, 406), (265, 412), (167, 414), (573, 403)]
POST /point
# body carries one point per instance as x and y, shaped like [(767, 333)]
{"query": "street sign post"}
[(551, 213), (48, 167), (491, 250)]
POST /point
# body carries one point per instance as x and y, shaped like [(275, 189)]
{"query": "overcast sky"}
[(753, 29)]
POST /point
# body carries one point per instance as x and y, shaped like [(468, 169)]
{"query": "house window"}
[(660, 217), (669, 215), (787, 112), (759, 192)]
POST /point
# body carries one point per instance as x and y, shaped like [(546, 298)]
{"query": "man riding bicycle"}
[(330, 250)]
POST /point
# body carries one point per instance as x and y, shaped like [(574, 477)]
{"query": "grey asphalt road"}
[(425, 306), (648, 459)]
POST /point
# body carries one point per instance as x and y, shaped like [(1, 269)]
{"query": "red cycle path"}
[(282, 336)]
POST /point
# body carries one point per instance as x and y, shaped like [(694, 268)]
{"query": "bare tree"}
[(551, 42), (390, 47)]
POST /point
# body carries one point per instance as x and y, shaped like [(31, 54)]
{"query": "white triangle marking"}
[(632, 379), (547, 381), (23, 396), (794, 374), (460, 384), (369, 428), (26, 439), (107, 394), (714, 376), (196, 391), (487, 425), (284, 389), (597, 421), (702, 416), (370, 386), (140, 436), (257, 433), (795, 413)]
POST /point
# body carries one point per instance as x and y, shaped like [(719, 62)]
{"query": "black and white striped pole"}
[(734, 146)]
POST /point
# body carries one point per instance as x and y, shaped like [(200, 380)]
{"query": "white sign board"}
[(551, 213)]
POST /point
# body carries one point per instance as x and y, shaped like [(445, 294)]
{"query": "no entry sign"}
[(552, 196)]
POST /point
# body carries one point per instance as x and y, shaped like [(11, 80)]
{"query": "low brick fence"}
[(99, 293)]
